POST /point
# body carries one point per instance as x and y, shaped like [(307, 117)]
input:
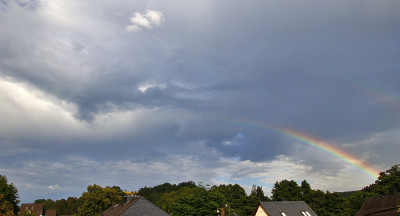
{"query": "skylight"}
[(305, 213)]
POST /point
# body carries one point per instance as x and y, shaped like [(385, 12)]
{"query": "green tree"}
[(61, 206), (357, 199), (6, 208), (388, 180), (201, 202), (286, 191), (251, 204), (73, 204), (155, 194), (9, 193), (64, 207), (98, 199), (259, 193), (336, 205), (235, 198), (317, 202), (168, 199)]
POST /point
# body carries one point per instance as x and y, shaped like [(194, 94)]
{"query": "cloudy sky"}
[(138, 93)]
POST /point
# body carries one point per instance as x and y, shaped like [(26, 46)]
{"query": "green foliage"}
[(155, 194), (98, 199), (286, 191), (235, 198), (259, 193), (168, 199), (357, 199), (324, 204), (335, 204), (200, 202), (6, 208), (9, 193), (317, 201), (64, 207), (388, 180), (27, 213), (48, 204), (251, 204)]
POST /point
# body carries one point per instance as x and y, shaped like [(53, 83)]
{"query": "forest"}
[(189, 198)]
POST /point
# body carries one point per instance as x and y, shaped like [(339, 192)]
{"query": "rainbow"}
[(313, 142), (330, 149)]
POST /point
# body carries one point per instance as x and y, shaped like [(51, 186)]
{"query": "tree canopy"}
[(9, 193), (201, 202), (6, 208), (97, 199)]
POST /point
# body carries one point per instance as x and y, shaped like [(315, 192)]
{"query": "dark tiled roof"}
[(36, 208), (51, 212), (289, 208), (139, 206), (381, 205)]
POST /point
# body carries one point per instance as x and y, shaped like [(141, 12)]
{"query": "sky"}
[(139, 93)]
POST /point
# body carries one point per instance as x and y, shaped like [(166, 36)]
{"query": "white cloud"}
[(147, 20), (144, 87), (54, 187)]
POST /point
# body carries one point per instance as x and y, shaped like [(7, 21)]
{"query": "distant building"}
[(137, 206), (35, 208), (295, 208), (51, 212), (381, 205)]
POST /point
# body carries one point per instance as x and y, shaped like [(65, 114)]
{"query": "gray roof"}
[(138, 207), (288, 208), (388, 205)]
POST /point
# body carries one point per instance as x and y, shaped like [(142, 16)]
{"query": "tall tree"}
[(168, 199), (306, 191), (235, 198), (286, 191), (9, 193), (336, 204), (201, 202), (98, 199)]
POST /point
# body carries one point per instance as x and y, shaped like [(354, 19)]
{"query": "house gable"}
[(260, 212), (36, 208)]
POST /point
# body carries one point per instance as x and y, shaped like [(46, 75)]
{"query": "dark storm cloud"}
[(206, 82)]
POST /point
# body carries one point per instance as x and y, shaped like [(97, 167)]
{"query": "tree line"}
[(188, 198)]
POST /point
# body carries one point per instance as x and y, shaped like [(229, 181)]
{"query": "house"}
[(295, 208), (51, 212), (138, 206), (36, 208), (388, 205)]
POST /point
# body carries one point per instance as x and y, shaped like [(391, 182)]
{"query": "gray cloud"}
[(201, 88)]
